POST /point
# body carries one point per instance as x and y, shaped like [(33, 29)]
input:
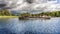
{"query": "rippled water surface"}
[(31, 26)]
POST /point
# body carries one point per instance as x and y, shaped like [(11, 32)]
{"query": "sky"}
[(58, 1), (44, 5)]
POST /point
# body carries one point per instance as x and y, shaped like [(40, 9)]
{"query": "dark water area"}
[(31, 26)]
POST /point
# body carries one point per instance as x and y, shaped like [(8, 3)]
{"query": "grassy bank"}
[(8, 16)]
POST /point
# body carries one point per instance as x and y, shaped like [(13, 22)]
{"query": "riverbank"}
[(8, 16)]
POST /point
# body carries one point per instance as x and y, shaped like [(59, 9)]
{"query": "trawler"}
[(45, 17), (28, 17), (23, 17)]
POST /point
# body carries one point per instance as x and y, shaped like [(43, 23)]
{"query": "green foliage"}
[(25, 14), (4, 12), (53, 13)]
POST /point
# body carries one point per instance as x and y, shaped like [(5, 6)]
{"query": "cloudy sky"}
[(45, 5)]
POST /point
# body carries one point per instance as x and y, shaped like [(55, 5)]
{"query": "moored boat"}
[(23, 17)]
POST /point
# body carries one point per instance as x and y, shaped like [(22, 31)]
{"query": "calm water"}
[(32, 26)]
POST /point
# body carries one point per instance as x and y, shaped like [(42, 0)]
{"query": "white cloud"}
[(43, 5)]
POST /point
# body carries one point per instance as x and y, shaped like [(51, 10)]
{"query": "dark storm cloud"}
[(29, 1)]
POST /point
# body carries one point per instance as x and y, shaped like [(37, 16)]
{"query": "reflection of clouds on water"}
[(15, 26)]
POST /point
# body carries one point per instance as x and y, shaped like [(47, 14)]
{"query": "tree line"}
[(52, 14), (4, 12)]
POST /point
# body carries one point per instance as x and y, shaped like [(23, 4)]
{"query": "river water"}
[(31, 26)]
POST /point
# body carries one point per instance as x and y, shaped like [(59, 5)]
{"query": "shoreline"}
[(8, 16), (17, 17)]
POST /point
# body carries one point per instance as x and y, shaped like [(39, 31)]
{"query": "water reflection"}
[(32, 26)]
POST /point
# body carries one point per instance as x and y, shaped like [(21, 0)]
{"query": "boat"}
[(45, 17), (28, 17), (23, 18)]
